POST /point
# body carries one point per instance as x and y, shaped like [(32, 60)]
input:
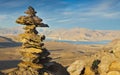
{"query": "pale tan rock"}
[(22, 71), (113, 73), (88, 71), (106, 60), (31, 50), (29, 55), (21, 20), (115, 66), (31, 29), (46, 73), (30, 64), (32, 37), (76, 67), (116, 50)]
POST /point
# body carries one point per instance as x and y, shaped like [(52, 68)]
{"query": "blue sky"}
[(91, 14)]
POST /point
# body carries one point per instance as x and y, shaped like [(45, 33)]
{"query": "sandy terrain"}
[(63, 53)]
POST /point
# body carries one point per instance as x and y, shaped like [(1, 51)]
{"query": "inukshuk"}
[(34, 55)]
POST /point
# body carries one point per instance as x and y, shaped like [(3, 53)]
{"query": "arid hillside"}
[(79, 34), (75, 34)]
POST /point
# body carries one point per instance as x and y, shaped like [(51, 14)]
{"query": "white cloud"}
[(50, 19), (93, 14), (101, 7), (7, 20), (67, 13), (104, 9), (112, 15), (64, 21)]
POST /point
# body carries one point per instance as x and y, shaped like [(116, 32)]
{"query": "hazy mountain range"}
[(78, 34), (75, 34)]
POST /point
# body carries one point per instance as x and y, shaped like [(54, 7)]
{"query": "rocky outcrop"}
[(76, 68), (105, 62)]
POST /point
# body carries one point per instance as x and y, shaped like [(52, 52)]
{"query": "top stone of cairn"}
[(31, 18)]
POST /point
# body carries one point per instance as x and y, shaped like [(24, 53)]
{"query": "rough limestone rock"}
[(115, 66), (35, 58), (76, 67), (88, 71), (116, 49), (106, 60), (113, 73)]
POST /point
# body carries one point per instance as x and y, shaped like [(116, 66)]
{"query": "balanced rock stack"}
[(35, 60)]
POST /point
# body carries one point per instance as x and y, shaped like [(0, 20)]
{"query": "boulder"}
[(113, 73), (106, 60), (88, 71), (114, 66), (116, 50), (76, 67)]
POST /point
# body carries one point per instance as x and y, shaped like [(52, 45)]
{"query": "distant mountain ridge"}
[(11, 30), (74, 34), (82, 34)]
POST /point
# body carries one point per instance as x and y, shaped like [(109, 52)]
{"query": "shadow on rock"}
[(54, 68)]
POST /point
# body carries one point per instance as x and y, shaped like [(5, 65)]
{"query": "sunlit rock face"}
[(35, 57), (105, 62)]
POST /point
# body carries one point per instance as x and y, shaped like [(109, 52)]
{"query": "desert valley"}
[(62, 52)]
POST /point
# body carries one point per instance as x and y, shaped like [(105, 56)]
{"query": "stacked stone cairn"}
[(35, 58)]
